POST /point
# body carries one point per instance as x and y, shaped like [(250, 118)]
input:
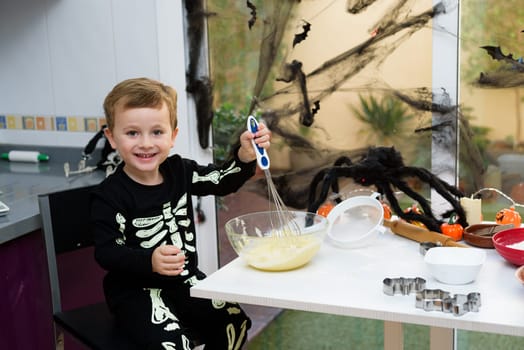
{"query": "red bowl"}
[(502, 239)]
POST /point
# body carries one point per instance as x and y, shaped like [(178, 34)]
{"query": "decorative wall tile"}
[(14, 122), (72, 124), (28, 123), (90, 124), (61, 123), (49, 123), (44, 123)]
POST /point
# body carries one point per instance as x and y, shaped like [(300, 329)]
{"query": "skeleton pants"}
[(168, 319)]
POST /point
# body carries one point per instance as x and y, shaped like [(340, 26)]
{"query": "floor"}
[(233, 205), (300, 330)]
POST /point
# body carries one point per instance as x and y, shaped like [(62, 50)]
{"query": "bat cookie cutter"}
[(404, 286), (439, 300)]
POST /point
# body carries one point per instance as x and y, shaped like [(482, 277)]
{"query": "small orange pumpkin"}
[(325, 208), (414, 208), (387, 211), (508, 216), (452, 228)]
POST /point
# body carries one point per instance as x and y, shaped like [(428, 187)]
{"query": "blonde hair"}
[(138, 93)]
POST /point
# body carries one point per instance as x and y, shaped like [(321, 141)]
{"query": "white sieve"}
[(356, 221)]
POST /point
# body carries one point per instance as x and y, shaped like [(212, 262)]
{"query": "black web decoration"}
[(253, 12), (288, 94), (200, 87)]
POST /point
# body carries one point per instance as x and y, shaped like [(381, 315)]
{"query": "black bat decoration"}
[(253, 13), (302, 36), (496, 53), (316, 107)]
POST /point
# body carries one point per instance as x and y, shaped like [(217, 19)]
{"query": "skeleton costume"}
[(129, 221)]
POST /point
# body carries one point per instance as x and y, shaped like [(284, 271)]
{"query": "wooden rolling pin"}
[(419, 234)]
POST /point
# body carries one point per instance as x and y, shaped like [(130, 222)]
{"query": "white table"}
[(349, 282)]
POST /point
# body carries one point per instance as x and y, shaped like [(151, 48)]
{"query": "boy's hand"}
[(168, 260), (262, 138)]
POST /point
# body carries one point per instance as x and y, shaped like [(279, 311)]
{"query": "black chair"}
[(69, 248)]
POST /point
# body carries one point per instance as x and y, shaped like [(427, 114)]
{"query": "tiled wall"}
[(51, 123)]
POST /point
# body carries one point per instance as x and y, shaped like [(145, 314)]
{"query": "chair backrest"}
[(69, 248), (65, 224)]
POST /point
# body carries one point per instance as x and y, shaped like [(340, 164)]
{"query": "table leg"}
[(441, 338), (393, 337)]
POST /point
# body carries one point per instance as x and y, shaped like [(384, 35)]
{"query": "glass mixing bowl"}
[(261, 245)]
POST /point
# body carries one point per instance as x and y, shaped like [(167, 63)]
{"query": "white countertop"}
[(350, 282)]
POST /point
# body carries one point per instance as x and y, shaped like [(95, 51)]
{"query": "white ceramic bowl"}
[(355, 222), (455, 265)]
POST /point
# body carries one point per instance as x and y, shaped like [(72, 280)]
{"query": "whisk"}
[(283, 222)]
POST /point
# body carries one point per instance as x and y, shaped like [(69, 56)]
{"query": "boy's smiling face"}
[(143, 137)]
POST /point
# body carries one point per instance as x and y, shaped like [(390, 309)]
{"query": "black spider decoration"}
[(384, 168)]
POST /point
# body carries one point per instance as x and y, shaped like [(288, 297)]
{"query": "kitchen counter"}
[(21, 183), (25, 298)]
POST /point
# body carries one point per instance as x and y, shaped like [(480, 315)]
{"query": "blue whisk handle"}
[(262, 157)]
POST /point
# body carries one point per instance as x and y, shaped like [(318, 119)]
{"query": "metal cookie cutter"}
[(460, 304), (431, 299), (425, 246), (439, 300), (404, 286)]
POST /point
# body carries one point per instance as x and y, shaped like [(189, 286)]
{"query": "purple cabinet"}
[(25, 298), (25, 301)]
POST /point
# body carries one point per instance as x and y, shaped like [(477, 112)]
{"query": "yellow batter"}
[(281, 253)]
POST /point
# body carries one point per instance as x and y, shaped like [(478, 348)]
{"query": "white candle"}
[(473, 209)]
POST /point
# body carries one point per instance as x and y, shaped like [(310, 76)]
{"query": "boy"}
[(143, 224)]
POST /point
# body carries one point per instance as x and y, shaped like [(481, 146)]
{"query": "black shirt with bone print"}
[(130, 220)]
